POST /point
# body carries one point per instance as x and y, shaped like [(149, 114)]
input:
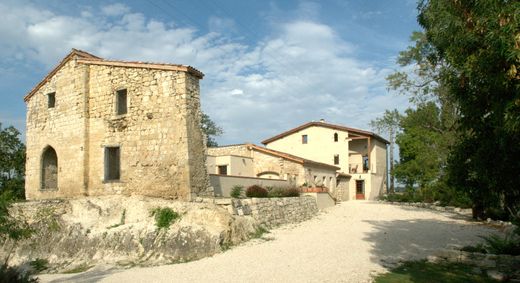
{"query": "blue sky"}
[(269, 65)]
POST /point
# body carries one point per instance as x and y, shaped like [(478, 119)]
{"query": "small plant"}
[(236, 191), (164, 216), (259, 232), (292, 192), (39, 264), (14, 275), (256, 191), (509, 244)]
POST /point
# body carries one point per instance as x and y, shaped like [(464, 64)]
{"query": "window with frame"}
[(336, 159), (112, 163), (121, 102), (305, 139), (51, 100), (336, 137), (222, 169)]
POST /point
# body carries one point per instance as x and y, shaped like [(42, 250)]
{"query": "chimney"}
[(322, 120)]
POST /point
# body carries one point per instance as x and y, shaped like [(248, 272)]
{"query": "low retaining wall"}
[(222, 184), (272, 212), (501, 266), (323, 200)]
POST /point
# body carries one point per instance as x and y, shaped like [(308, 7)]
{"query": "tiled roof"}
[(87, 58), (291, 157), (354, 131)]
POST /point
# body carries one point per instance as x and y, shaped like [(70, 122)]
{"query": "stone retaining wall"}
[(501, 267), (272, 212)]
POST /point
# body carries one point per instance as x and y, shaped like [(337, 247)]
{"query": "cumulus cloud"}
[(302, 71)]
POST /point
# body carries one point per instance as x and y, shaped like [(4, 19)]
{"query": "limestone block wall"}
[(161, 148), (61, 127), (272, 212), (238, 149)]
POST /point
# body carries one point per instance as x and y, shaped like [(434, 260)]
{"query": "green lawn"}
[(423, 271)]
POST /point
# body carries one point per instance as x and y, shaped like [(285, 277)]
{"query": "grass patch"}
[(259, 232), (39, 264), (164, 216), (423, 271), (80, 268)]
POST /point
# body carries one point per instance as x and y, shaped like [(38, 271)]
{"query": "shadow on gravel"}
[(91, 276), (399, 240)]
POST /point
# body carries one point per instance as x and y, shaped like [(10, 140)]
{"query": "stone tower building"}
[(99, 127)]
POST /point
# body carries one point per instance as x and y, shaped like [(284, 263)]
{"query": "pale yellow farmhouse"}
[(360, 155), (248, 164), (97, 127)]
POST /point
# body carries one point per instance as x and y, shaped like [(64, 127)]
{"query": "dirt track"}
[(348, 243)]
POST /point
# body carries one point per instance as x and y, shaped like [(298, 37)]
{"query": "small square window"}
[(336, 159), (51, 100), (121, 102), (304, 139), (222, 169), (112, 163)]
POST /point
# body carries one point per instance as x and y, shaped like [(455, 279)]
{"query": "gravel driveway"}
[(347, 243)]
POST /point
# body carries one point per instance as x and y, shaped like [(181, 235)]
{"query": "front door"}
[(360, 189)]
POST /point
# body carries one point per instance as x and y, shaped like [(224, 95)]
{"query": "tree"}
[(424, 145), (210, 130), (388, 123), (479, 41), (12, 162)]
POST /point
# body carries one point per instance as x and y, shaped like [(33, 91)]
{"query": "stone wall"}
[(272, 212), (162, 149)]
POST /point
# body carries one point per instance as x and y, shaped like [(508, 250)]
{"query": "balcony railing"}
[(357, 168)]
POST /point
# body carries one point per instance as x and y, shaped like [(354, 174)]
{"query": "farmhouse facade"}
[(260, 164), (360, 156), (97, 127)]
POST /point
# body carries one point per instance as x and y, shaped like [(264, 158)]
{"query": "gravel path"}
[(347, 243)]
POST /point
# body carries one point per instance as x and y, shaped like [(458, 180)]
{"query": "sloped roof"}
[(87, 58), (291, 157), (354, 131)]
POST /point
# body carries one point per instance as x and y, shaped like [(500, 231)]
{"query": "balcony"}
[(358, 168)]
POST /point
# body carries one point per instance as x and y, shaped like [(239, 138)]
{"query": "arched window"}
[(336, 138), (49, 174)]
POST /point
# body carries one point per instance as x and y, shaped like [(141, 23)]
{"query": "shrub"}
[(292, 192), (256, 191), (509, 244), (14, 275), (39, 264), (164, 216), (259, 232), (236, 191), (275, 192)]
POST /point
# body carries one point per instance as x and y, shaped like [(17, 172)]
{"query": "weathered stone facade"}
[(159, 147)]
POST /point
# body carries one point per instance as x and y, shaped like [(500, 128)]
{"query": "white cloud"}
[(303, 71), (115, 9)]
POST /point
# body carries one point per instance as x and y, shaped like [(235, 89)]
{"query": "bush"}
[(14, 275), (164, 216), (256, 191), (39, 264), (292, 192), (236, 191), (509, 244)]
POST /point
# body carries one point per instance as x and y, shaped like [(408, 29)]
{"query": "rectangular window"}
[(304, 139), (222, 169), (336, 159), (112, 163), (51, 100), (121, 106)]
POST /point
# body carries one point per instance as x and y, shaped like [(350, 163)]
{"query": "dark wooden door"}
[(360, 189)]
